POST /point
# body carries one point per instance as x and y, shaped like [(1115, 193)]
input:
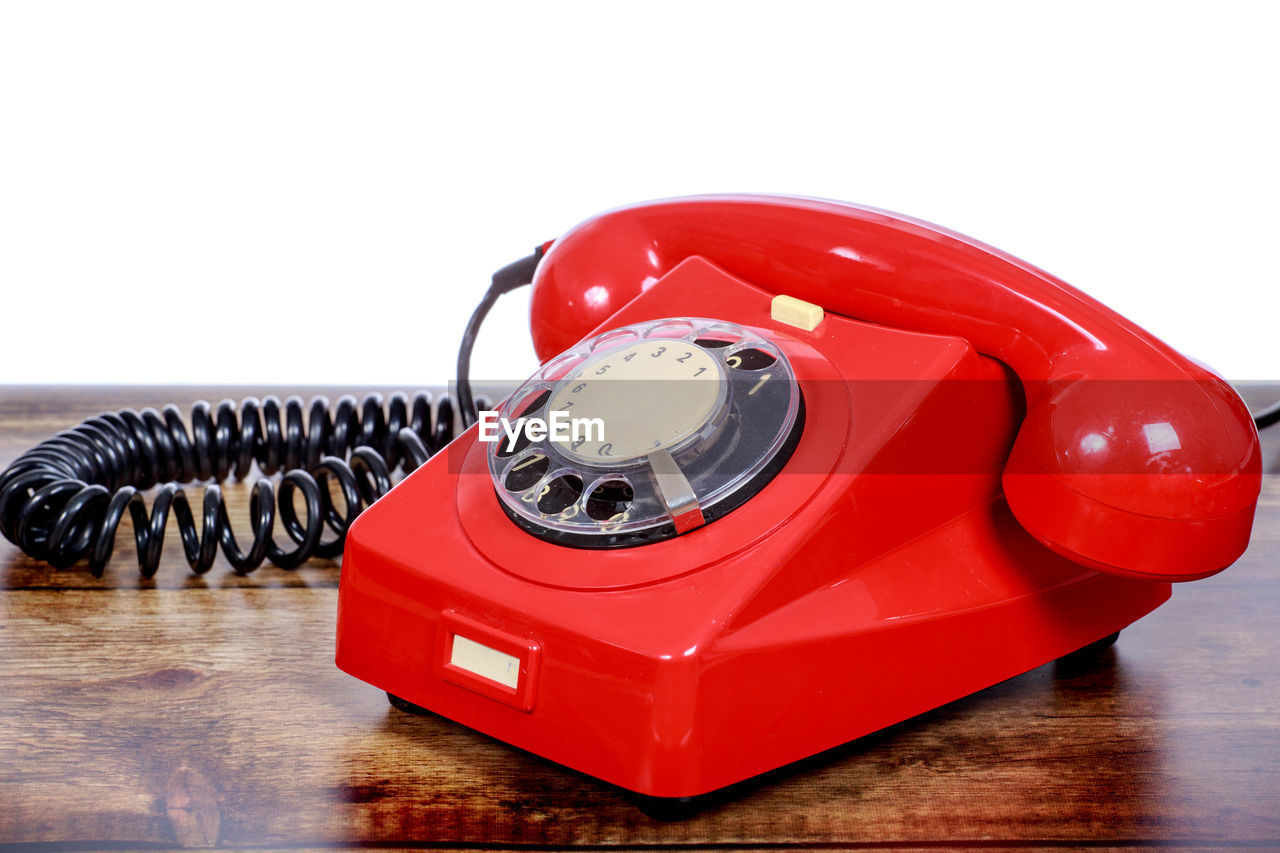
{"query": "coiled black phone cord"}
[(62, 500)]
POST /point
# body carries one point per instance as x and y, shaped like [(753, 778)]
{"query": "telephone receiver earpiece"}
[(1131, 459)]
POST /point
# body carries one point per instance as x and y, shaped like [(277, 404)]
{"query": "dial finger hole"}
[(670, 329), (750, 359), (530, 403), (609, 497), (507, 446), (613, 339), (718, 336), (559, 494), (526, 472), (558, 368)]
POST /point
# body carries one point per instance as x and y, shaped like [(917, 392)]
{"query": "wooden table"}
[(189, 712)]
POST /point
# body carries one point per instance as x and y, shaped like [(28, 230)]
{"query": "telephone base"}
[(879, 575)]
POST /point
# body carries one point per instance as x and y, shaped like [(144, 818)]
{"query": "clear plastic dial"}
[(644, 432)]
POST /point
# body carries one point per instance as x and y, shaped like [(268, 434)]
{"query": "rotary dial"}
[(643, 433)]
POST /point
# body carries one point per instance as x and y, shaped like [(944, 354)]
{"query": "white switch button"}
[(795, 312)]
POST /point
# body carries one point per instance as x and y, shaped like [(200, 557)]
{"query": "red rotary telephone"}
[(853, 467)]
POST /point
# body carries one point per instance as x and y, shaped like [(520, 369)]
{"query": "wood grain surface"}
[(185, 712)]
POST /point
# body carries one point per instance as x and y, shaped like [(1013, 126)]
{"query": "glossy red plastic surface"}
[(879, 575), (1131, 459)]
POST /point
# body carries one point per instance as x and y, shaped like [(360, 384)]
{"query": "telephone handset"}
[(1084, 476), (790, 471)]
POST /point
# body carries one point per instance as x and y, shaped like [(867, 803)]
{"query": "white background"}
[(317, 193)]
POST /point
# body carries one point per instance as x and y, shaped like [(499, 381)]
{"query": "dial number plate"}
[(651, 395)]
